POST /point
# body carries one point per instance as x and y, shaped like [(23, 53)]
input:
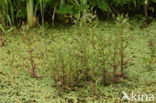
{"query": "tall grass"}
[(30, 12), (84, 5), (5, 6)]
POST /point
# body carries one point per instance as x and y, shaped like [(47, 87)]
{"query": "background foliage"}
[(14, 12)]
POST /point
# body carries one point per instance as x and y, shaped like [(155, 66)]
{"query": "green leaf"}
[(1, 27)]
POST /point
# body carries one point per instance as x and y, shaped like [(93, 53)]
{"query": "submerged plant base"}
[(34, 74)]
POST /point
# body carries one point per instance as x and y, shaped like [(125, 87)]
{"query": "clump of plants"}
[(32, 62), (123, 43), (92, 59), (115, 62), (63, 68), (29, 42)]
